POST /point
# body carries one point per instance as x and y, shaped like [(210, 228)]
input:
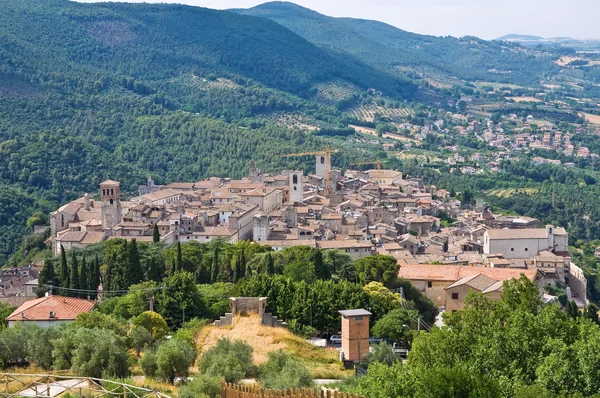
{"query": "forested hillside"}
[(124, 91), (388, 47)]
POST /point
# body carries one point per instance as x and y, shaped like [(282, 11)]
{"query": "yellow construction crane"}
[(376, 162), (327, 152)]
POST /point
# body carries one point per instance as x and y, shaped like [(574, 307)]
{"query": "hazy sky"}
[(487, 19)]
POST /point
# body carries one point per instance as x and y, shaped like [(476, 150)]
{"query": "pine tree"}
[(64, 270), (134, 271), (179, 257), (215, 265), (84, 278), (47, 277), (270, 264), (155, 234), (74, 280)]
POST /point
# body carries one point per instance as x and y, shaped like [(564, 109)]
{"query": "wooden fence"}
[(239, 391)]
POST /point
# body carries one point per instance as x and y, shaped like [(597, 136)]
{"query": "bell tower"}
[(296, 187), (110, 197)]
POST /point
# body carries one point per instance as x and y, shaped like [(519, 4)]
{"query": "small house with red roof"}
[(50, 311)]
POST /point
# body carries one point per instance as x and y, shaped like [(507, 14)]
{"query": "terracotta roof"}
[(71, 236), (336, 244), (525, 233), (63, 308), (498, 286), (93, 237), (453, 273), (478, 282), (110, 182)]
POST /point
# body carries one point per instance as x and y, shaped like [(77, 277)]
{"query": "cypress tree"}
[(215, 265), (74, 280), (47, 276), (242, 263), (84, 278), (109, 274), (64, 270), (237, 269), (321, 270), (134, 271), (94, 276), (270, 264), (179, 257), (155, 234)]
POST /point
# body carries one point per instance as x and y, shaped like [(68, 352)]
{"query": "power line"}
[(104, 291)]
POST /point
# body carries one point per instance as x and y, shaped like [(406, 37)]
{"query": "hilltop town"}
[(439, 244)]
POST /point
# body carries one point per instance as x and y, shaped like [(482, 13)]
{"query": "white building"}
[(525, 243)]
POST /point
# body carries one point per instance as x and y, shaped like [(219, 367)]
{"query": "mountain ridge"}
[(393, 49)]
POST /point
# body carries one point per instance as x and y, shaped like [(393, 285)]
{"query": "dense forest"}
[(125, 91), (390, 48)]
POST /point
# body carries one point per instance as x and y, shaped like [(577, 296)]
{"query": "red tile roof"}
[(63, 309), (452, 273)]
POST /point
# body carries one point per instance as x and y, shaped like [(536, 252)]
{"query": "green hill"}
[(123, 91), (385, 46)]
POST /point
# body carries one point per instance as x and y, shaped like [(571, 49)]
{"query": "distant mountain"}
[(387, 47), (153, 42), (569, 42)]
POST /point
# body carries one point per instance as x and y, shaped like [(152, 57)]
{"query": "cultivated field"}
[(333, 92), (505, 193), (524, 99), (367, 112), (593, 119)]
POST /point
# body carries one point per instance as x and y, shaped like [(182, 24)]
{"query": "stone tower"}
[(296, 187), (253, 171), (355, 334), (322, 166), (110, 196)]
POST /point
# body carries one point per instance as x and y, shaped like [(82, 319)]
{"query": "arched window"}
[(112, 191), (111, 201), (322, 159), (295, 179), (62, 220)]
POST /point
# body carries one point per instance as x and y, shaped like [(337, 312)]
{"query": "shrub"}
[(148, 363), (139, 338), (91, 352), (173, 359), (382, 353), (153, 323), (202, 386), (231, 360), (40, 346), (98, 320), (282, 370), (99, 352)]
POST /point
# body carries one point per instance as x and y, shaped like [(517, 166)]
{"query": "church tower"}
[(296, 187), (110, 196)]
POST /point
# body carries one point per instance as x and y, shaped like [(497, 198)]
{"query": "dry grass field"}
[(525, 99), (322, 362), (505, 193), (593, 119)]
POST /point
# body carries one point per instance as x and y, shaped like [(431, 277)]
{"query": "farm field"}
[(506, 193), (497, 86), (593, 119), (335, 91), (524, 99), (367, 112)]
